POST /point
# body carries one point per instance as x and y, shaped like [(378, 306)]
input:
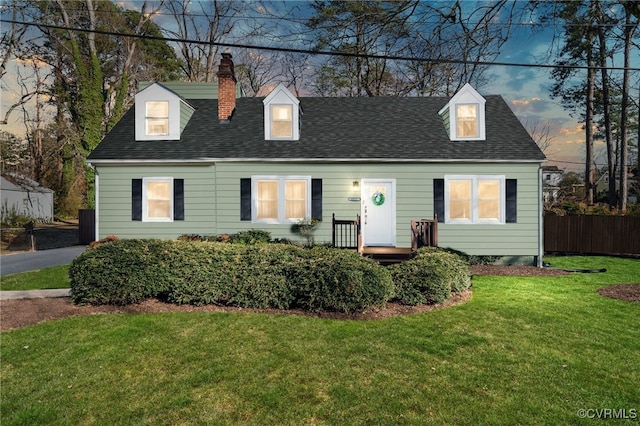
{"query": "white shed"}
[(26, 197)]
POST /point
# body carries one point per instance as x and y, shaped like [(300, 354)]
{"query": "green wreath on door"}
[(378, 198)]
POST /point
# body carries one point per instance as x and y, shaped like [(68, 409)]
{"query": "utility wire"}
[(318, 52)]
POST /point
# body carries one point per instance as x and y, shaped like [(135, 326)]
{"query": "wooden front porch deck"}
[(347, 235)]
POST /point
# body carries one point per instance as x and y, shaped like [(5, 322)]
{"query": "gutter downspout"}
[(540, 219), (97, 204)]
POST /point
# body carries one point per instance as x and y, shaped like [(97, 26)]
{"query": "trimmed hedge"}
[(430, 277), (256, 276), (251, 275), (330, 279)]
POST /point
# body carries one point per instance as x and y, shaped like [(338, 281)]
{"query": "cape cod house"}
[(211, 162)]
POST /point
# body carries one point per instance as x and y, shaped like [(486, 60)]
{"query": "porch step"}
[(387, 255)]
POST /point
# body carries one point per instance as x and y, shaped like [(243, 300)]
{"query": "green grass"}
[(48, 278), (521, 351)]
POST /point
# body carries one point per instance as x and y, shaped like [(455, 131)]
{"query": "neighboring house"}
[(602, 185), (25, 197), (551, 178), (175, 165)]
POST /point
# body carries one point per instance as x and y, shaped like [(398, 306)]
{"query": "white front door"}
[(378, 212)]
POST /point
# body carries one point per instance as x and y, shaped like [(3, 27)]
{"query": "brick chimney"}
[(226, 88)]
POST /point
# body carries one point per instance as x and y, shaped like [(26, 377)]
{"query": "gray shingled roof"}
[(357, 129)]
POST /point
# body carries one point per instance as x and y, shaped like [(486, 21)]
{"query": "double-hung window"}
[(157, 118), (281, 121), (475, 199), (281, 199), (467, 125), (157, 199)]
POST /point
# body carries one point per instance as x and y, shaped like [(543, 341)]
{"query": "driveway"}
[(33, 261)]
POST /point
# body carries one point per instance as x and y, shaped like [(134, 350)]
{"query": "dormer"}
[(161, 114), (464, 115), (281, 115)]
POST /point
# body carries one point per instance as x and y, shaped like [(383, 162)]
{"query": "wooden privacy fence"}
[(592, 234)]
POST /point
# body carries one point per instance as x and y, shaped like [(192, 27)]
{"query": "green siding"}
[(446, 119), (114, 201), (212, 201), (186, 111), (192, 90)]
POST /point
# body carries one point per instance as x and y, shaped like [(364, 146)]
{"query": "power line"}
[(317, 52), (302, 20)]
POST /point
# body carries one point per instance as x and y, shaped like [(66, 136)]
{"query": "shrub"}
[(119, 273), (261, 280), (254, 276), (190, 237), (107, 239), (430, 277), (330, 279), (472, 259), (252, 236)]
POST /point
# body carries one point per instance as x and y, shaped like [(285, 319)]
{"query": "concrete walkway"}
[(34, 294)]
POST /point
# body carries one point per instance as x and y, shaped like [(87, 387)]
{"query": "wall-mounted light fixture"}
[(356, 185)]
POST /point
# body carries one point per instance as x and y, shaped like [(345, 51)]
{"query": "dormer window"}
[(281, 115), (161, 114), (281, 121), (464, 115), (157, 118)]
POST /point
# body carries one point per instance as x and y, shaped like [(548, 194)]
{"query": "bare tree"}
[(541, 133), (209, 21), (11, 42), (12, 38), (255, 71)]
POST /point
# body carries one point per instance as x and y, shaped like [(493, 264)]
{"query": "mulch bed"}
[(23, 312), (628, 292)]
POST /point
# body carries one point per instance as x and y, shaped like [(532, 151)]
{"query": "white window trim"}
[(474, 179), (281, 200), (145, 208)]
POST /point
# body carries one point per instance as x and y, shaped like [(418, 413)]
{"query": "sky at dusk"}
[(526, 90)]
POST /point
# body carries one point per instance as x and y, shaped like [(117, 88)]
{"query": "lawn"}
[(48, 278), (523, 350)]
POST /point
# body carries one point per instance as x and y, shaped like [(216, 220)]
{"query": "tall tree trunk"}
[(589, 173), (606, 104), (624, 184)]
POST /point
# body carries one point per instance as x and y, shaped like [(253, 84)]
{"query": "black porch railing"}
[(346, 233)]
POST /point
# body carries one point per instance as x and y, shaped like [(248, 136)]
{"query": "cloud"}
[(533, 105), (572, 132)]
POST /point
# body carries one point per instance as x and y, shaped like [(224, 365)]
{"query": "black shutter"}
[(178, 199), (438, 199), (316, 199), (511, 201), (245, 199), (136, 199)]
